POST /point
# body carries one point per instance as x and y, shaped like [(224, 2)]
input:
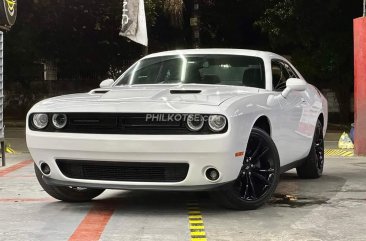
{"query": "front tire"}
[(258, 176), (65, 193), (314, 163)]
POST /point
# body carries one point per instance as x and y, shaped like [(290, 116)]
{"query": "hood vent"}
[(99, 92), (185, 91)]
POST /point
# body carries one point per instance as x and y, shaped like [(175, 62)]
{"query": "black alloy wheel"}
[(319, 147), (313, 165), (258, 176)]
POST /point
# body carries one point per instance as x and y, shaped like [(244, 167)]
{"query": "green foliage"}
[(318, 33), (318, 36), (79, 36)]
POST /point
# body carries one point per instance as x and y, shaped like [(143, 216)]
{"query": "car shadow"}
[(291, 192)]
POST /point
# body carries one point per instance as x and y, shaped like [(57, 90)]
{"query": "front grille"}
[(124, 171), (109, 123), (125, 123)]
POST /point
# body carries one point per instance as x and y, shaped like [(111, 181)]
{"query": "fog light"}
[(212, 174), (45, 168)]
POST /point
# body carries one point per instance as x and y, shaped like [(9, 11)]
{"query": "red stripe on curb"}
[(92, 226), (15, 167)]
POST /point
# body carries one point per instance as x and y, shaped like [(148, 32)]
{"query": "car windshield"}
[(197, 69)]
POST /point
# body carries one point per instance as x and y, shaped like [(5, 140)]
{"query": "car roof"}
[(245, 52)]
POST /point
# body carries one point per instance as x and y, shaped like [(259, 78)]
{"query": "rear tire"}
[(65, 193), (258, 176), (314, 163)]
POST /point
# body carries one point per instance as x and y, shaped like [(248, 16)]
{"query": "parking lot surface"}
[(330, 208)]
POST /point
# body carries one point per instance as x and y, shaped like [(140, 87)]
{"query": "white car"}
[(226, 120)]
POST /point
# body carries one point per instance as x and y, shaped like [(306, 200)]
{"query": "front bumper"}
[(199, 151)]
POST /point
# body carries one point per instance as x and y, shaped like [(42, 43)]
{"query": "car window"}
[(279, 76), (155, 72), (281, 72), (198, 69), (290, 71)]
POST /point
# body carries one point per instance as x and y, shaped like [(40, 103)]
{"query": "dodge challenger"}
[(228, 121)]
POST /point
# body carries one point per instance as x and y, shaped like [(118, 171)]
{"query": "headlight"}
[(217, 122), (195, 122), (40, 121), (59, 120)]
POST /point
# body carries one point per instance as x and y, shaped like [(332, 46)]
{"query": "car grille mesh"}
[(124, 171), (109, 123)]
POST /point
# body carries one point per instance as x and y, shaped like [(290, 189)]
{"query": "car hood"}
[(190, 94)]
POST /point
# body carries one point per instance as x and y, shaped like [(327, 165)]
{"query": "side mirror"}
[(106, 83), (294, 84)]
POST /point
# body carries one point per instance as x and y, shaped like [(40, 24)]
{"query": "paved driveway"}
[(330, 208)]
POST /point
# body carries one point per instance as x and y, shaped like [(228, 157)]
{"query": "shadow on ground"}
[(292, 192)]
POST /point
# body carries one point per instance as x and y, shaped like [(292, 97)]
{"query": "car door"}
[(291, 144)]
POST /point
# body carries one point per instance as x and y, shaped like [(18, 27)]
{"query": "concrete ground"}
[(330, 208)]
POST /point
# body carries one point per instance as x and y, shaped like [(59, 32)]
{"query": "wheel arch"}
[(321, 119), (263, 123)]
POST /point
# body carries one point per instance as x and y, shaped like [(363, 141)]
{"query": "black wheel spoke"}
[(262, 154), (261, 178), (246, 188), (246, 191), (254, 195), (271, 170), (244, 185)]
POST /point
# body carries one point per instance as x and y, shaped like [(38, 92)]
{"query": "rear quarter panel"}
[(243, 112)]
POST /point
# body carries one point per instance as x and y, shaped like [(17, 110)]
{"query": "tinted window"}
[(281, 72), (197, 69), (279, 76)]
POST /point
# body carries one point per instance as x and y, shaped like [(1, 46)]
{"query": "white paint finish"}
[(292, 122)]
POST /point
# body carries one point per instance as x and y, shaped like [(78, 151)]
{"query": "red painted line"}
[(21, 176), (15, 167), (10, 200), (92, 226)]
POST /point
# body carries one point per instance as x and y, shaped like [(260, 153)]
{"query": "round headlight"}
[(217, 122), (59, 120), (40, 121), (195, 122)]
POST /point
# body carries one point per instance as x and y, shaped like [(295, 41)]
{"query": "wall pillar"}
[(360, 84)]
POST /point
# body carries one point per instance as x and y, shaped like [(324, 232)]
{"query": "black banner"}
[(8, 13)]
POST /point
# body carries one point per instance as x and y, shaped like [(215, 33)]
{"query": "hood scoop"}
[(99, 92), (173, 92)]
